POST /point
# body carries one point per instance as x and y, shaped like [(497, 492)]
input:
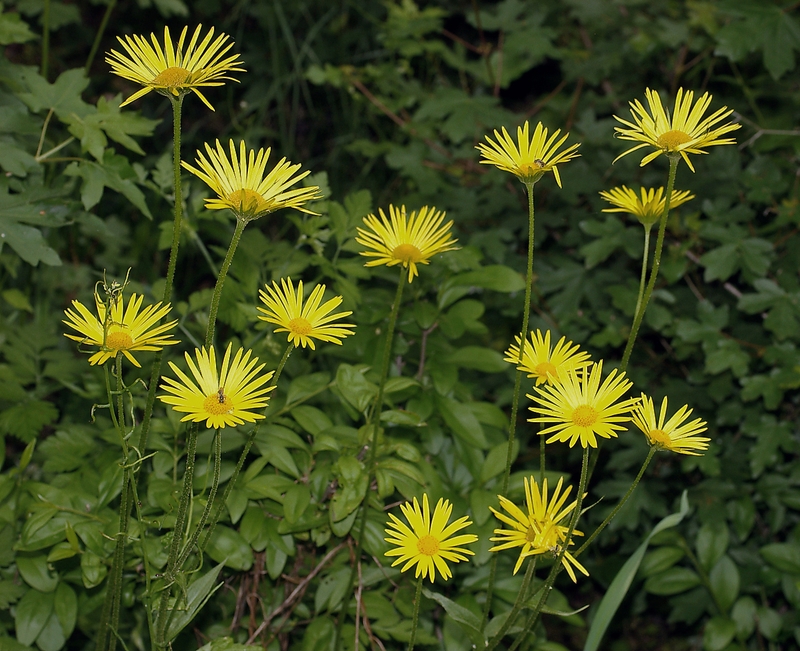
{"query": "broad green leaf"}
[(63, 96), (34, 570), (725, 581), (52, 637), (769, 622), (66, 608), (712, 543), (93, 570), (13, 29), (498, 278), (743, 614), (478, 358), (718, 633), (672, 581), (659, 560), (227, 644), (311, 419), (495, 462), (784, 557), (19, 213), (295, 502), (32, 614), (332, 589), (305, 386), (229, 548), (462, 422), (355, 388), (113, 172), (10, 592), (198, 593), (470, 622)]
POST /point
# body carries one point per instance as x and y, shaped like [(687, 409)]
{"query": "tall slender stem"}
[(223, 273), (521, 597), (557, 564), (374, 422), (643, 275), (99, 36), (415, 617), (662, 228), (45, 38), (512, 425), (624, 499)]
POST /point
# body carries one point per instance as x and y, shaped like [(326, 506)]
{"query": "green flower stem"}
[(643, 276), (624, 499), (99, 36), (177, 537), (223, 272), (512, 425), (415, 618), (155, 373), (557, 565), (521, 597), (240, 464), (662, 228), (45, 38), (374, 421)]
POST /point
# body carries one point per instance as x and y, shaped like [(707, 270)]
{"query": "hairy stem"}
[(223, 273), (415, 618), (521, 597)]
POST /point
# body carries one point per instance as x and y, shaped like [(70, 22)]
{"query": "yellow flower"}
[(545, 363), (171, 70), (580, 408), (540, 530), (529, 160), (125, 330), (221, 399), (241, 186), (647, 208), (409, 242), (428, 542), (304, 323), (686, 133), (673, 434)]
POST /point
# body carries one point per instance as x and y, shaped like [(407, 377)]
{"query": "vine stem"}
[(223, 273), (99, 36), (557, 564), (415, 619), (373, 421), (624, 499), (662, 228), (523, 592), (512, 425)]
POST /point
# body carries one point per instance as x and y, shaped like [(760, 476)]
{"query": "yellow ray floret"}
[(405, 240), (428, 542), (304, 323), (241, 185), (123, 330), (687, 132), (648, 206), (580, 408), (674, 434), (529, 158), (545, 363), (222, 399), (172, 70), (542, 530)]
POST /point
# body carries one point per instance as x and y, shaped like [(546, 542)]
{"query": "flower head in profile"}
[(543, 529), (675, 434), (172, 70), (241, 185), (303, 322), (581, 408), (687, 132), (120, 330), (648, 206), (428, 542), (529, 158), (545, 363), (408, 241), (223, 398)]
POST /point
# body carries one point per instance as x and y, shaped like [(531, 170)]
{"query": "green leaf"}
[(115, 172), (63, 96), (34, 570), (32, 614), (10, 592), (52, 636), (784, 557), (353, 479), (25, 420), (718, 633), (198, 593), (305, 386), (13, 29), (355, 388), (673, 581), (16, 210), (769, 622), (295, 501), (498, 278), (478, 358), (781, 39), (462, 421), (744, 615), (712, 543), (311, 419), (495, 462), (469, 621), (229, 548), (93, 570), (622, 581), (725, 581), (66, 608), (659, 560), (16, 299), (332, 589)]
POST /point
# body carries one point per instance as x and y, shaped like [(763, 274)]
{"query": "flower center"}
[(532, 168), (531, 534), (659, 438), (172, 78), (428, 545), (584, 416), (119, 340), (300, 326), (217, 403), (546, 370), (671, 140), (247, 201), (407, 253)]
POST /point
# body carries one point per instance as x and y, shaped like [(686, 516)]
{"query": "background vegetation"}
[(384, 102)]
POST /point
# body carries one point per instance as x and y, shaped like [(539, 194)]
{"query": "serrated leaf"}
[(13, 29), (115, 173), (26, 419), (63, 96)]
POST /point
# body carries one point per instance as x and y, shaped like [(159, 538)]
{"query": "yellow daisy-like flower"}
[(241, 186), (407, 241), (426, 541), (648, 206), (672, 434), (581, 408), (304, 323), (540, 530), (124, 331), (223, 399), (545, 363), (171, 70), (686, 133), (531, 157)]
